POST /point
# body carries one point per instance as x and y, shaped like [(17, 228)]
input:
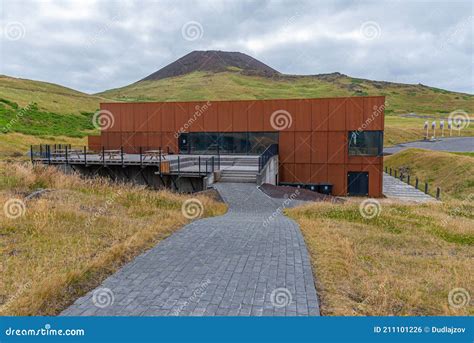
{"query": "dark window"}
[(365, 143), (226, 143)]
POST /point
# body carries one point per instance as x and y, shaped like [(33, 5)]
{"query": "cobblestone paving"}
[(251, 262)]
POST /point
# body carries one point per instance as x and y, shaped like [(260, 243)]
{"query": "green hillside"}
[(49, 97), (401, 98)]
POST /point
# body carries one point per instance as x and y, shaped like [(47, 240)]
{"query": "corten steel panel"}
[(287, 172), (210, 117), (140, 117), (224, 110), (354, 113), (181, 117), (337, 176), (374, 180), (140, 139), (319, 114), (291, 107), (104, 140), (114, 140), (154, 111), (337, 115), (302, 147), (255, 116), (302, 117), (154, 140), (170, 141), (197, 112), (337, 149), (109, 111), (373, 113), (277, 116), (319, 173), (94, 142), (127, 117), (239, 116), (319, 147), (302, 172), (286, 147), (379, 120), (167, 117), (127, 142)]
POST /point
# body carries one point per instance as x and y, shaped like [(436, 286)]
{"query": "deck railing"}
[(402, 177)]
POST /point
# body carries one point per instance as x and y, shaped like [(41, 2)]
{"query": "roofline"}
[(241, 100)]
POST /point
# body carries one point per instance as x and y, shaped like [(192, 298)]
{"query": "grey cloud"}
[(96, 45)]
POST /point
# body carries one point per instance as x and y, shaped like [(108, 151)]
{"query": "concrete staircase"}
[(242, 169)]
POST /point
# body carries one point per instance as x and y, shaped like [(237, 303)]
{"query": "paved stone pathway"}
[(457, 144), (241, 263), (394, 188)]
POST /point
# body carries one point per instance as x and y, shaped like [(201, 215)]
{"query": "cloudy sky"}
[(97, 45)]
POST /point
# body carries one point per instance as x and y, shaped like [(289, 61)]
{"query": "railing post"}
[(206, 168), (49, 154), (41, 151), (31, 153), (390, 171), (121, 155), (408, 179), (401, 176), (199, 165), (416, 183), (85, 157), (178, 164), (438, 191), (67, 160), (103, 155), (426, 187)]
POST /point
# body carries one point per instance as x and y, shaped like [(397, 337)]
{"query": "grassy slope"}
[(401, 98), (49, 97), (403, 262), (453, 173), (50, 255)]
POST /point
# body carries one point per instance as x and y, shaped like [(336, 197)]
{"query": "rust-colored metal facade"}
[(312, 149)]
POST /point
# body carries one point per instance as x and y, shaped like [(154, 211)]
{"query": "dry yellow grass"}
[(403, 262), (73, 237)]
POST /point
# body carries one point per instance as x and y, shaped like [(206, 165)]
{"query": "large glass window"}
[(365, 143), (226, 143)]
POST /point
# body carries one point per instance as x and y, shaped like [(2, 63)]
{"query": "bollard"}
[(416, 183), (390, 171), (438, 191), (408, 179), (426, 187)]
